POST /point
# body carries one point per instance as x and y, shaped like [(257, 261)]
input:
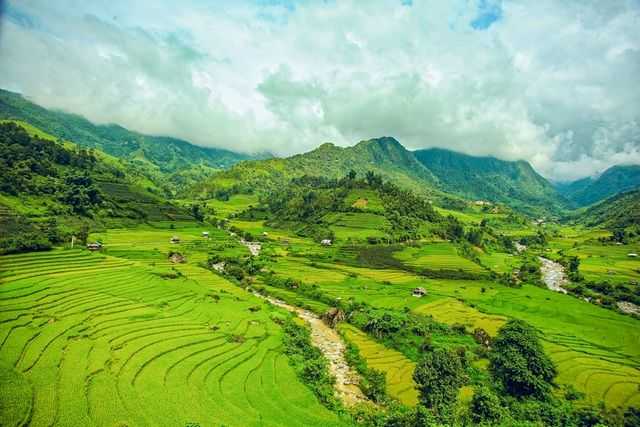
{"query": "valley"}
[(271, 290)]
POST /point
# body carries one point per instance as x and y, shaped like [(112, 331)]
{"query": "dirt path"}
[(553, 275), (333, 348)]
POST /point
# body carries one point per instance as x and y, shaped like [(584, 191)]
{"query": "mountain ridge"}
[(591, 190), (484, 177), (166, 153)]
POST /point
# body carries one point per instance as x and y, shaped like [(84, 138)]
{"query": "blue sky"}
[(552, 82)]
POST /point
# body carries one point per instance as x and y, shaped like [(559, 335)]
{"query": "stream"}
[(332, 347), (553, 275)]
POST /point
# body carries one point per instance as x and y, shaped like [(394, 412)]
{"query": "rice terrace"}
[(202, 222)]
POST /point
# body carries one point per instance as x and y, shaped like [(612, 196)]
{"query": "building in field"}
[(205, 234), (175, 239), (95, 246), (419, 292), (326, 242), (632, 255)]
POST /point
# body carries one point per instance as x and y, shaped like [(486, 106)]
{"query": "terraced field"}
[(88, 339), (608, 262), (437, 256), (397, 368), (236, 204), (356, 225), (451, 311)]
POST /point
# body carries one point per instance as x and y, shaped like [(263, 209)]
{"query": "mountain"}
[(619, 211), (514, 183), (44, 178), (384, 156), (165, 153), (614, 180)]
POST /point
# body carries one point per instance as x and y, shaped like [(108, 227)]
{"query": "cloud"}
[(551, 82)]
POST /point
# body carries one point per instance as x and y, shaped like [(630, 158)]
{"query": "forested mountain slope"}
[(488, 178), (45, 180), (614, 180), (383, 156), (617, 212), (167, 154)]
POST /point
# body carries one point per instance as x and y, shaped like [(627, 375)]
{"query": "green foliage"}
[(309, 363), (487, 178), (519, 362), (618, 213), (373, 382), (614, 180), (485, 407), (164, 153), (439, 375)]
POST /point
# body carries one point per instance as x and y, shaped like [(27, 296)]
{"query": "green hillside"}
[(619, 211), (384, 156), (614, 180), (167, 154), (487, 178), (51, 188)]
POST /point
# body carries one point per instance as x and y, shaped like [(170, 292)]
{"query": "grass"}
[(396, 367), (365, 200), (607, 262), (452, 311), (236, 204), (356, 225), (99, 340), (437, 256)]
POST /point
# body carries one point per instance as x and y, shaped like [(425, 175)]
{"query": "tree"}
[(519, 363), (83, 234), (351, 175), (51, 230), (485, 407), (438, 376), (197, 213)]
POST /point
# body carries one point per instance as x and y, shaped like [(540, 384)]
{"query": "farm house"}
[(419, 292), (96, 246), (175, 239), (325, 242)]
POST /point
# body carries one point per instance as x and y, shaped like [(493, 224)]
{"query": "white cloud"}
[(552, 82)]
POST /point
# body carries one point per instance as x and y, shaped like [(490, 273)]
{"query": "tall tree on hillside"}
[(519, 363), (439, 376)]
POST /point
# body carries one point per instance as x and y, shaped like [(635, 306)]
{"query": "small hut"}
[(632, 255), (205, 234), (177, 258), (175, 239), (95, 246), (326, 242), (419, 292)]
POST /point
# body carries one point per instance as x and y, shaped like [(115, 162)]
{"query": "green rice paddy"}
[(88, 339)]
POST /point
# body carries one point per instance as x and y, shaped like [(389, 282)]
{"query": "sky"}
[(553, 82)]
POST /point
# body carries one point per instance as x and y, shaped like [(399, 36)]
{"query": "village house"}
[(205, 234), (96, 246), (326, 242), (175, 239), (419, 292)]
